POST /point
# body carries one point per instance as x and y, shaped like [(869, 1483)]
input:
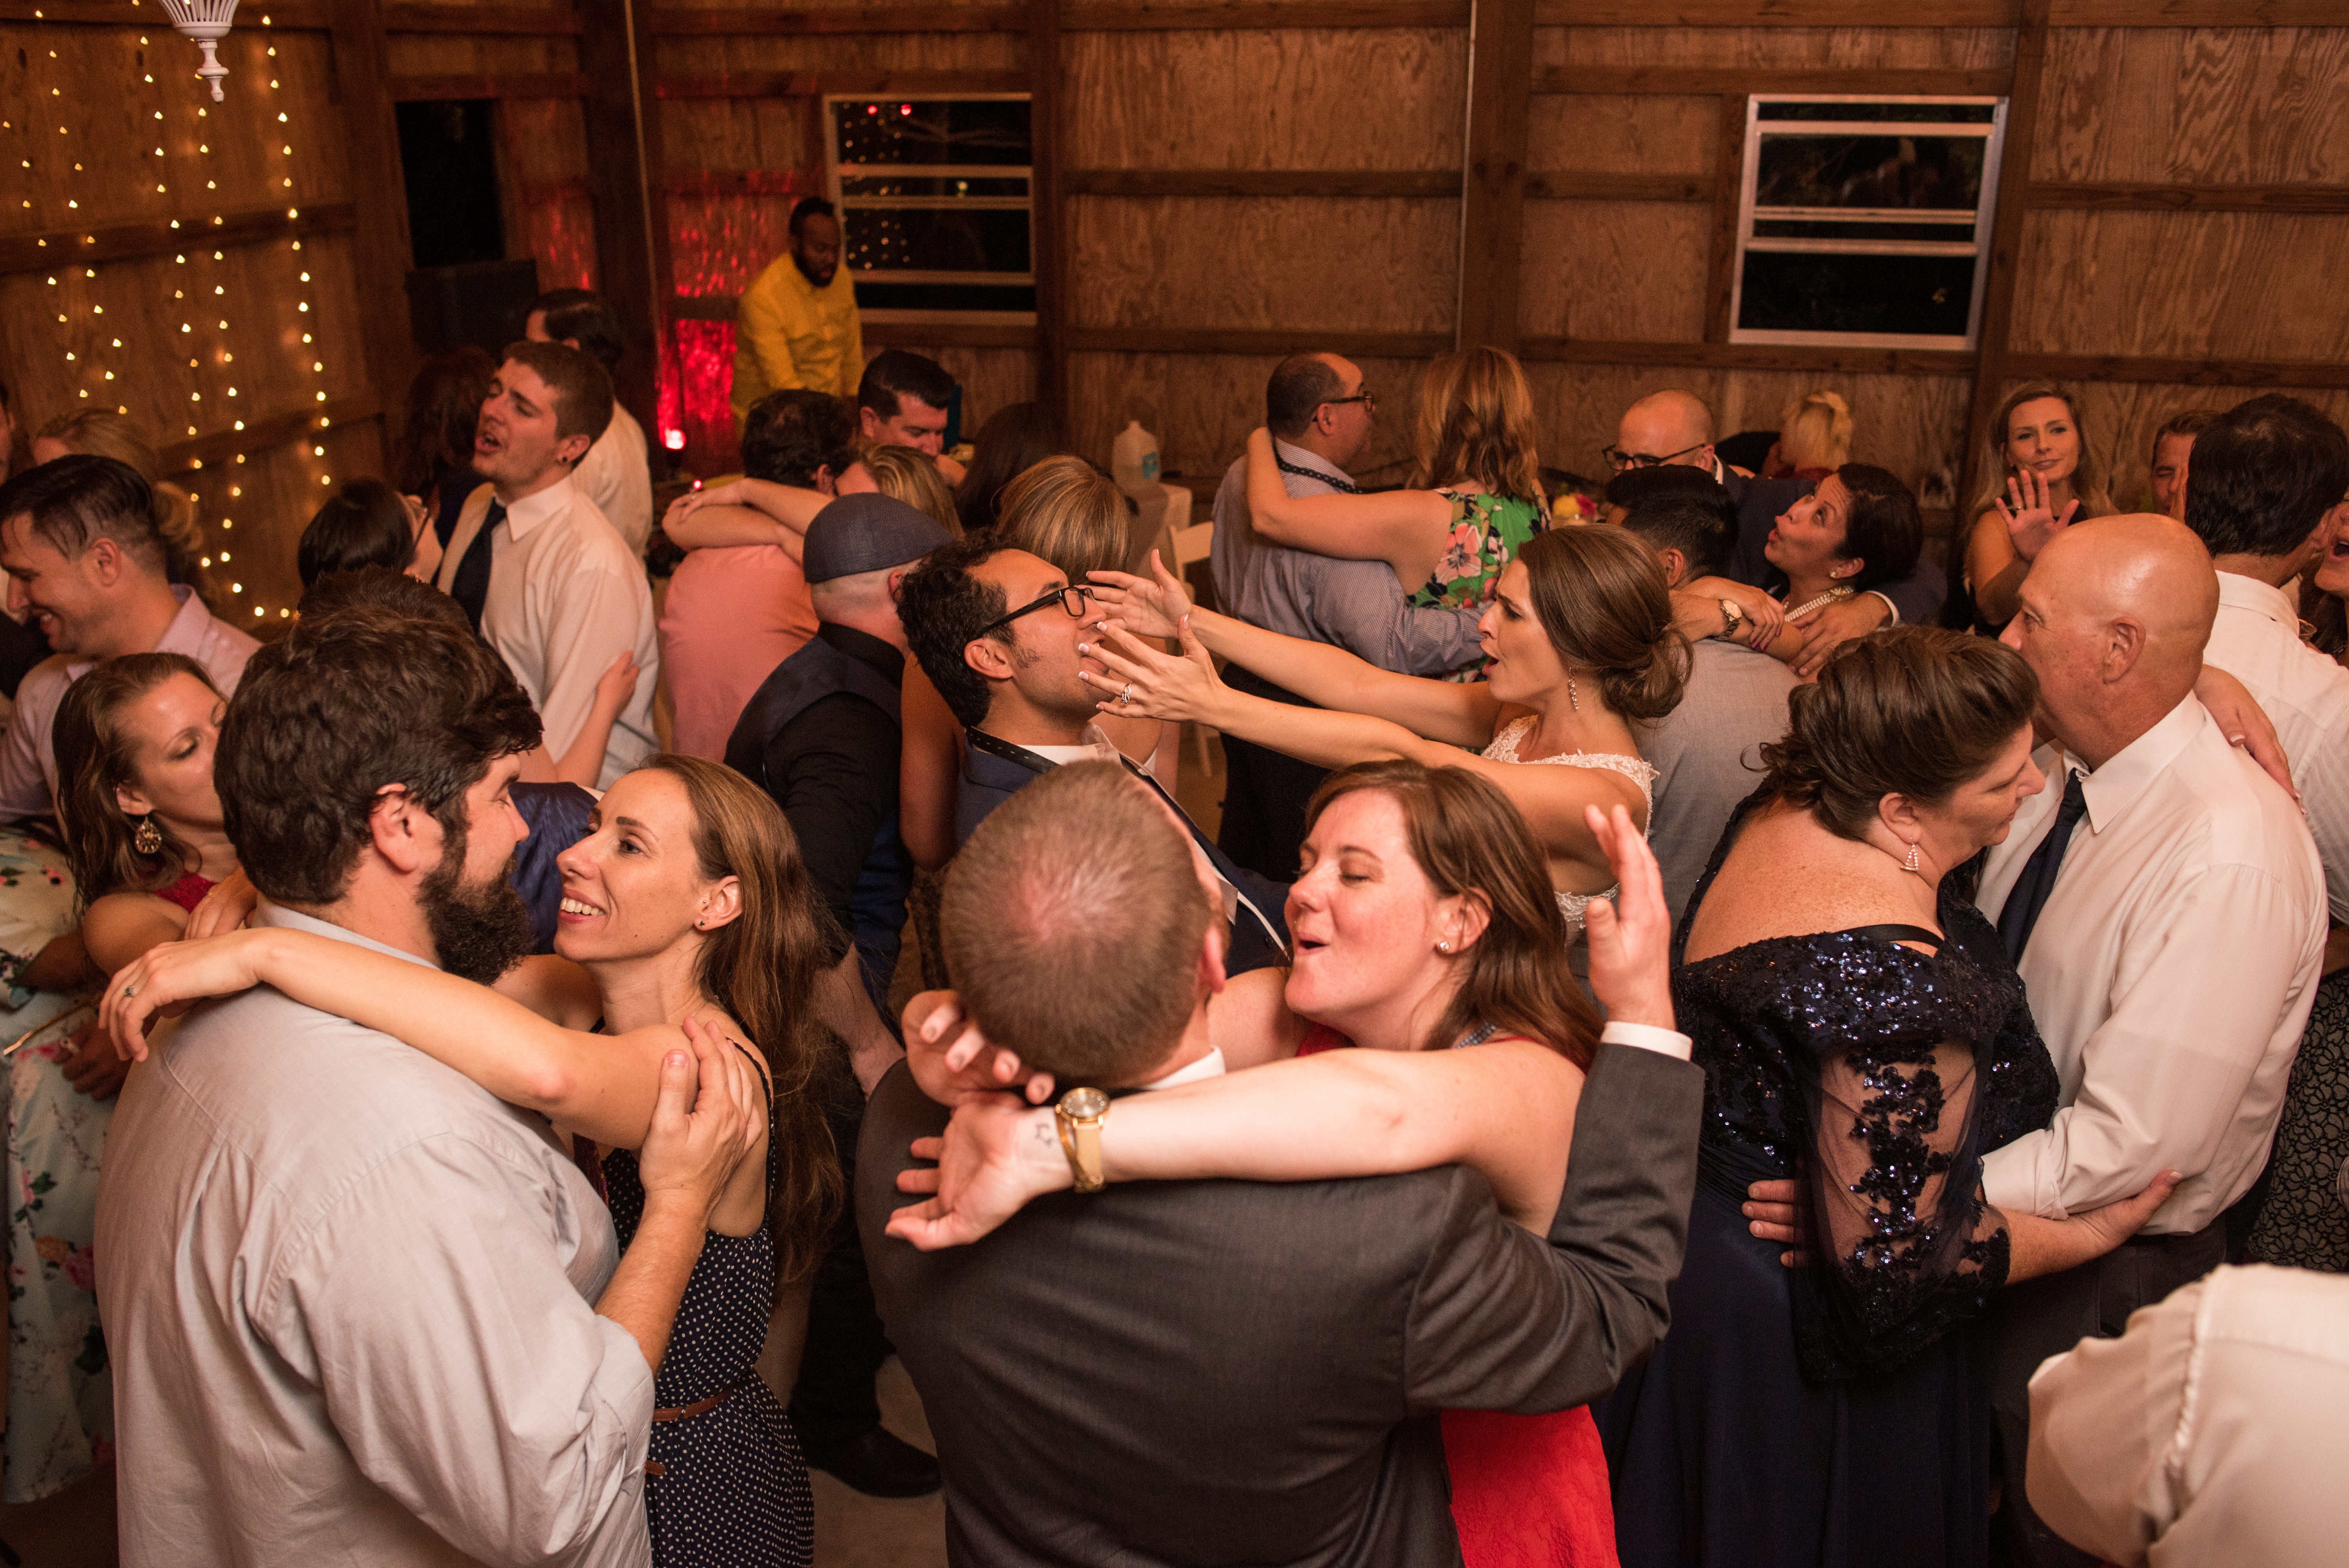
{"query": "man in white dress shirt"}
[(2165, 905), (559, 593), (616, 472)]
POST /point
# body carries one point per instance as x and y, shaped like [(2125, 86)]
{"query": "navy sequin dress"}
[(1836, 1414), (732, 1488)]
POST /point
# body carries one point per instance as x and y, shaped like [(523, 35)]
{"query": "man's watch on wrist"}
[(1079, 1115), (1733, 616)]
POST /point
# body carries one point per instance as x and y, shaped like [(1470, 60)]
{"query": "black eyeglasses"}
[(1364, 396), (1623, 459), (1072, 600)]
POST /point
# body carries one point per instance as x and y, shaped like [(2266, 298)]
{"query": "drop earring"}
[(1910, 863), (1573, 693), (148, 838)]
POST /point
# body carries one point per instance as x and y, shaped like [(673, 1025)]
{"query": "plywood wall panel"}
[(1203, 406), (1377, 99), (478, 54), (2224, 285), (737, 133), (1615, 270), (701, 57), (990, 378), (2248, 105), (1606, 134), (1601, 49), (1304, 263)]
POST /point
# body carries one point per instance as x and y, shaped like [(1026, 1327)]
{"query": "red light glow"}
[(673, 439)]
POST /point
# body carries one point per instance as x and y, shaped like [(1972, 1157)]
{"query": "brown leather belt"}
[(686, 1413)]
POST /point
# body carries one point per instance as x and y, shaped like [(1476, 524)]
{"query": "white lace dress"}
[(1505, 749)]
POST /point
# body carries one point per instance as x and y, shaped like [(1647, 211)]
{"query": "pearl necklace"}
[(1835, 595)]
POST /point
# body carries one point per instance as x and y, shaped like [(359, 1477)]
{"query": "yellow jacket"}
[(788, 333)]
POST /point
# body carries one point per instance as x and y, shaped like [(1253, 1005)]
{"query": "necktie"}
[(1285, 466), (471, 587), (2038, 878)]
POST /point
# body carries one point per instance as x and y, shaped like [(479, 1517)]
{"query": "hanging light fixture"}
[(207, 22)]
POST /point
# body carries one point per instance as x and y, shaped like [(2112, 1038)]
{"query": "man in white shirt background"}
[(616, 472), (557, 592)]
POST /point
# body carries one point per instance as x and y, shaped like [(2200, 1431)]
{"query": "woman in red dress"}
[(1425, 932)]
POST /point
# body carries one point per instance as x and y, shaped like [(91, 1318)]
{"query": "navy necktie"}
[(471, 586), (2038, 879)]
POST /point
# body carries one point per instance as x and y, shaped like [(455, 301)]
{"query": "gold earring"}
[(148, 840), (1910, 863)]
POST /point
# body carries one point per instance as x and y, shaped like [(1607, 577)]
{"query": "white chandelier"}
[(205, 21)]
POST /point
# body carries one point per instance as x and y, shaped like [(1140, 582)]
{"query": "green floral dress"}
[(1487, 532)]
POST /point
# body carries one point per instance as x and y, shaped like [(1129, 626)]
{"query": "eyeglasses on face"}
[(1622, 460), (1368, 398), (1073, 600)]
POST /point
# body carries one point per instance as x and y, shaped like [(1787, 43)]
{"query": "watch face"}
[(1084, 1103)]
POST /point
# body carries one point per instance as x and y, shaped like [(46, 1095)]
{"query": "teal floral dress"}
[(1487, 532)]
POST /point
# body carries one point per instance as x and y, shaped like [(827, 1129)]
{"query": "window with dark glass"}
[(934, 198), (1865, 222)]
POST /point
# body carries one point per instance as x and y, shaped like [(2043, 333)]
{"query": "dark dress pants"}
[(2046, 1317), (1265, 793), (834, 1401)]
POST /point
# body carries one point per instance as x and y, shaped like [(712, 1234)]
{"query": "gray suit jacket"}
[(1243, 1373)]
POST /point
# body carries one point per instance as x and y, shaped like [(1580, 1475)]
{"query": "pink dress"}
[(731, 615), (1527, 1492)]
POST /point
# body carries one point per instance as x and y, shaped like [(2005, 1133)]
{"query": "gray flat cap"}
[(866, 533)]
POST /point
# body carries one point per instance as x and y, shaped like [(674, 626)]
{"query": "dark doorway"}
[(449, 161)]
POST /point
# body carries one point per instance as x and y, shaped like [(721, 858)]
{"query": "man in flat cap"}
[(821, 736)]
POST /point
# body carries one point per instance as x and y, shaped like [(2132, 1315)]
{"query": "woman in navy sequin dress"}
[(1863, 1033)]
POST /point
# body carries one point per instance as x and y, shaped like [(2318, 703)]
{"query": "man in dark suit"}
[(996, 630), (1231, 1372)]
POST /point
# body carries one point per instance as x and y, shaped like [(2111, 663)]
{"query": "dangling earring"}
[(1910, 863), (1573, 694), (148, 840)]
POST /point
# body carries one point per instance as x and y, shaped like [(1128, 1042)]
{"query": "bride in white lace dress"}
[(1579, 650)]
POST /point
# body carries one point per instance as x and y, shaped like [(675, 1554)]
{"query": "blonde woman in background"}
[(2037, 477), (901, 473), (102, 433), (1813, 438)]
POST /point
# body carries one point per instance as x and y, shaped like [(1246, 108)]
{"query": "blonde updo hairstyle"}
[(1600, 597), (1815, 431), (103, 433)]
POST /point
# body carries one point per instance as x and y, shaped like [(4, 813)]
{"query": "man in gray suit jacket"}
[(1228, 1372)]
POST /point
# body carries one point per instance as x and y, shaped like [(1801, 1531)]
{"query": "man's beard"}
[(821, 279), (477, 931)]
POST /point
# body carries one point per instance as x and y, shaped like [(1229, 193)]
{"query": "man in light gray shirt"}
[(1706, 752), (352, 1299), (1320, 415)]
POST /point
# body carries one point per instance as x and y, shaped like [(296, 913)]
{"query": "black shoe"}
[(879, 1464)]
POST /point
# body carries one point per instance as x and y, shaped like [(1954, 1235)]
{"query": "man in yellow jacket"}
[(797, 325)]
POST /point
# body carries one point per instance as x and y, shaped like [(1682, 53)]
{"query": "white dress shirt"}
[(2211, 1432), (2170, 973), (349, 1297), (617, 476), (567, 598), (2256, 639)]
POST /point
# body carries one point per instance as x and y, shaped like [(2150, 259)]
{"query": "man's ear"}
[(2125, 643), (868, 422), (404, 834), (105, 563), (988, 657), (572, 449), (897, 583), (1212, 977), (1676, 567), (824, 481)]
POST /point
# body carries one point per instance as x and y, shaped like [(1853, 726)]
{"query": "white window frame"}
[(1993, 132), (834, 171)]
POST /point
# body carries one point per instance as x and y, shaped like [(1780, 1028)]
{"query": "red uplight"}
[(873, 108), (904, 109), (674, 439)]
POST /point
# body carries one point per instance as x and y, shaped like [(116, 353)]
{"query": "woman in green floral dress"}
[(1474, 497)]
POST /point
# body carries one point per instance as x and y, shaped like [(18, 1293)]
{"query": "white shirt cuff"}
[(1647, 1037), (1888, 604)]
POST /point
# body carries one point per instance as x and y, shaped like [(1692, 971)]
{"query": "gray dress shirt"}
[(350, 1299), (1357, 606), (1707, 756)]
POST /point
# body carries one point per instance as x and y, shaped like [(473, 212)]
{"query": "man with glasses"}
[(996, 630), (1675, 427), (1320, 415)]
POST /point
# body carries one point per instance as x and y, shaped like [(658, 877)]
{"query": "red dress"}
[(1527, 1492), (186, 893)]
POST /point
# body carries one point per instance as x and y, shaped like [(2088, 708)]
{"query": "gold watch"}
[(1080, 1114), (1733, 615)]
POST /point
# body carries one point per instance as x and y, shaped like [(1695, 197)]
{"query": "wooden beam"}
[(1820, 359), (133, 241), (1493, 174), (1728, 192), (489, 21), (1249, 14), (1272, 344), (1991, 368), (2195, 13), (518, 84), (1047, 260), (948, 334), (1569, 185), (1771, 14), (622, 151), (714, 183), (677, 21), (2184, 372), (814, 84), (381, 253), (1437, 183), (261, 435), (1638, 80), (285, 16), (2041, 195)]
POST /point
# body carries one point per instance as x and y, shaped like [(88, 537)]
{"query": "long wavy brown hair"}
[(1477, 422), (94, 760), (761, 967), (1469, 838)]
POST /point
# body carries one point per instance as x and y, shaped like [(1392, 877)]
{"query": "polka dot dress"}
[(734, 1492)]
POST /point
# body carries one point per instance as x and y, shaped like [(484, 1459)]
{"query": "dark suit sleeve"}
[(833, 771), (1499, 1320), (1919, 596)]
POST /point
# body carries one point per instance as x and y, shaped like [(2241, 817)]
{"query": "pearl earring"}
[(1910, 863), (1444, 947), (1573, 694)]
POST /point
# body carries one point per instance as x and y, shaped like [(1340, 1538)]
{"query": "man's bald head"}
[(1672, 424), (2114, 618)]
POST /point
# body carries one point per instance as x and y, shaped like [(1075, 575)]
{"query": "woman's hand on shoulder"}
[(166, 979), (996, 1154), (1631, 934), (954, 1063), (226, 908)]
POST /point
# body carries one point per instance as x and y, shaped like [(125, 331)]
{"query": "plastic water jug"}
[(1134, 460)]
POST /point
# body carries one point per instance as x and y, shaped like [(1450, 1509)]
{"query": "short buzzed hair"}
[(1301, 384), (1702, 526), (1073, 922), (583, 388)]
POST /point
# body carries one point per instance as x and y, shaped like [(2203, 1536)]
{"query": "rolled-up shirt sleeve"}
[(459, 1361)]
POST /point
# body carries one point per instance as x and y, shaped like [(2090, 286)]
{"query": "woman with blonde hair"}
[(1474, 498), (1813, 438), (2037, 476), (103, 433), (902, 473)]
